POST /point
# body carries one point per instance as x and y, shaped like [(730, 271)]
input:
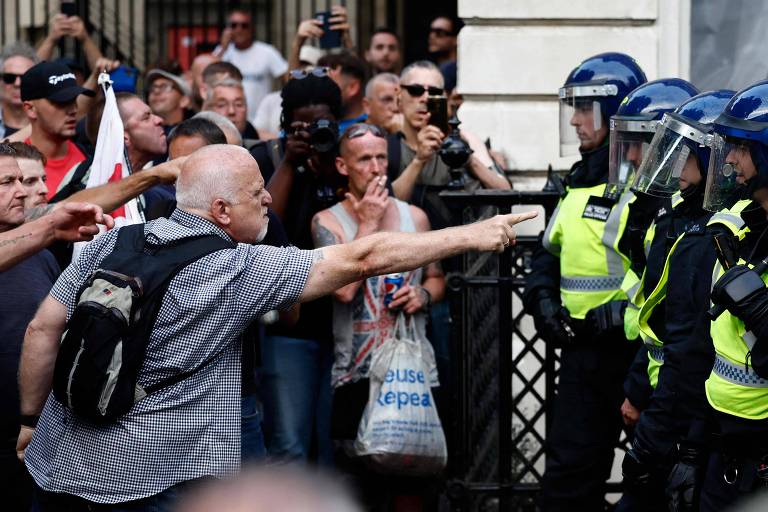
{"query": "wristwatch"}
[(29, 420)]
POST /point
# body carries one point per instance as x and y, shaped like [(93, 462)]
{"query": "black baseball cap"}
[(53, 81)]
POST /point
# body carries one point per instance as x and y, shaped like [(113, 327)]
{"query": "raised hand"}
[(371, 207)]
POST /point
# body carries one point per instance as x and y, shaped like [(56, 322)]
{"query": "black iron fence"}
[(504, 376), (142, 32)]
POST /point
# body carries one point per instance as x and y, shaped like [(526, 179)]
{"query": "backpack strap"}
[(156, 265)]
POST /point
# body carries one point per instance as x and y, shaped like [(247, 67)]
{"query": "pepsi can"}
[(392, 283)]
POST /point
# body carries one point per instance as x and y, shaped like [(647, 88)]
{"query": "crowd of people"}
[(271, 198), (296, 168), (649, 279)]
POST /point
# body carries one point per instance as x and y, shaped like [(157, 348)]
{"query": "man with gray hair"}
[(380, 102), (225, 125), (191, 428), (15, 59), (227, 97)]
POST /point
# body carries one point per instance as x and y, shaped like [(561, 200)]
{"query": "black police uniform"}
[(586, 424)]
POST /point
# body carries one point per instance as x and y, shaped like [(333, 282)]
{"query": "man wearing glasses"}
[(418, 174), (259, 62), (15, 60), (442, 43)]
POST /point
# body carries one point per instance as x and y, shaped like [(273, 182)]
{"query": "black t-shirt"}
[(24, 286), (308, 196)]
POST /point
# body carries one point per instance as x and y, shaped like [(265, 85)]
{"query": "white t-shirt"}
[(258, 63), (268, 114)]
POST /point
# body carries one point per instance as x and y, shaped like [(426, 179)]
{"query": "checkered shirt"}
[(192, 428)]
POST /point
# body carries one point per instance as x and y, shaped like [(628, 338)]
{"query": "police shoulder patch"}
[(598, 208)]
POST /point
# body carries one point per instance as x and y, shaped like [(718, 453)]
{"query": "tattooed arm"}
[(325, 232), (72, 222), (336, 266)]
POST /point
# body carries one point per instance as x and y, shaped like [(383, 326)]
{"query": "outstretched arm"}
[(384, 253), (114, 194), (73, 222)]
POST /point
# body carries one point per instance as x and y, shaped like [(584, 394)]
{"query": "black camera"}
[(323, 135)]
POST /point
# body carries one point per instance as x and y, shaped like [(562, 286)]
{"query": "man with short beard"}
[(383, 53)]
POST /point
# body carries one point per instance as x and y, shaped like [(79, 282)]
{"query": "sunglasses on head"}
[(440, 32), (10, 78), (239, 24), (360, 129), (319, 71), (417, 90)]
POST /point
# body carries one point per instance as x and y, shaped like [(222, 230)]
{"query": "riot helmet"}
[(682, 141), (738, 164), (634, 124), (595, 88)]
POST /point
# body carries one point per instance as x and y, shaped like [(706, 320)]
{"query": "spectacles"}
[(239, 24), (10, 78), (360, 129), (319, 71), (158, 88), (417, 90), (440, 32)]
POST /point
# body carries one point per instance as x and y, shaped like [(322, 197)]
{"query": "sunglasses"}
[(319, 71), (417, 90), (239, 24), (10, 78), (440, 32), (360, 129)]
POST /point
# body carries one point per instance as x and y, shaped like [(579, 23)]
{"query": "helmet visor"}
[(574, 112), (670, 158), (630, 142), (728, 175)]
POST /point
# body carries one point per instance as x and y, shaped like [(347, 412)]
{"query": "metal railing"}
[(504, 376), (142, 32)]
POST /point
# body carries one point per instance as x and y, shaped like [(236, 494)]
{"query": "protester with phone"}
[(259, 62), (330, 28), (64, 25)]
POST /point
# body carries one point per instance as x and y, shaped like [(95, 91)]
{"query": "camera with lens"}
[(323, 135)]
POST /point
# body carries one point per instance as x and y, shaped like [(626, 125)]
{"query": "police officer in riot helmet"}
[(566, 287), (673, 296), (736, 388)]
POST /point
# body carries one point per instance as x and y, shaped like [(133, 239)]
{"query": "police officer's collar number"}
[(598, 208)]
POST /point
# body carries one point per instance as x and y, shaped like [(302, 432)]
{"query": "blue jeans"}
[(252, 447), (165, 501), (296, 391)]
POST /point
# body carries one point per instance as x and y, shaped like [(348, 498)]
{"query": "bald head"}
[(222, 183), (214, 171)]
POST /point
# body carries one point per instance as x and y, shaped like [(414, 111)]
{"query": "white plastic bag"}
[(400, 431)]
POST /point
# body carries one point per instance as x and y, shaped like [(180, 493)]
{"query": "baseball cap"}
[(53, 81), (182, 84)]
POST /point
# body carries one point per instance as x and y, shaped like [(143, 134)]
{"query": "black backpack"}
[(106, 338)]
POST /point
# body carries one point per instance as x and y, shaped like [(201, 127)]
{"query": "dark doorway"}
[(416, 19)]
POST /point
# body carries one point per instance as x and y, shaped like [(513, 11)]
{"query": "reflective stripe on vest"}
[(655, 353), (738, 374), (591, 266), (733, 387), (590, 284)]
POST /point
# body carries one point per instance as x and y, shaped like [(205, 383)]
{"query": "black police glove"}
[(741, 291), (607, 317), (552, 320), (637, 469), (685, 479)]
